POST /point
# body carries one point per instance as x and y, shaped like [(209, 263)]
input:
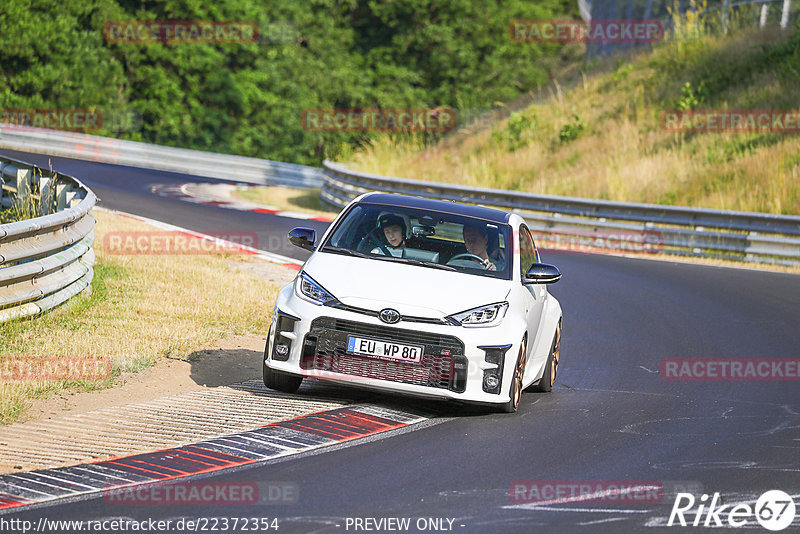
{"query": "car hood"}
[(410, 289)]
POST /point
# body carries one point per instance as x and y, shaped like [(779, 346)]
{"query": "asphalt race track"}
[(612, 416)]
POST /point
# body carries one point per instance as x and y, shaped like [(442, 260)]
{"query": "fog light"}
[(491, 381), (493, 378), (282, 345)]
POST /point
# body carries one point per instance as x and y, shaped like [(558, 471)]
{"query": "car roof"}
[(441, 206)]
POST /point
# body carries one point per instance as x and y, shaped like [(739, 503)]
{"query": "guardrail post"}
[(74, 197), (787, 5), (23, 185), (23, 179), (62, 201), (46, 195)]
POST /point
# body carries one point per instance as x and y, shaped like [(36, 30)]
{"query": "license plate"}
[(385, 350)]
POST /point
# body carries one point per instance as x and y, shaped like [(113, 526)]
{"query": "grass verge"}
[(141, 308), (287, 198)]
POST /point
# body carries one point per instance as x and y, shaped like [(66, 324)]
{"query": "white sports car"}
[(420, 297)]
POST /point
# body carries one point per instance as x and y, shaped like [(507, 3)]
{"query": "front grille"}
[(443, 363), (409, 318)]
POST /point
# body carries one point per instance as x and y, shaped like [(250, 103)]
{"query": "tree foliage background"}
[(247, 99)]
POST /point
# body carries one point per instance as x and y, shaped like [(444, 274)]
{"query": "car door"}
[(533, 294)]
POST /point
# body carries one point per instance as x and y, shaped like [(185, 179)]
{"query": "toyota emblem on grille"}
[(389, 315)]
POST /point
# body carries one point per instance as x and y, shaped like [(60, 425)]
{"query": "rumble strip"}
[(281, 439)]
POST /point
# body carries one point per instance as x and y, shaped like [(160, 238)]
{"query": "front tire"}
[(551, 367), (515, 388), (277, 380)]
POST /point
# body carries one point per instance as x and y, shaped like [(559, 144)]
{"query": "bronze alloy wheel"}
[(556, 355), (515, 390), (545, 383)]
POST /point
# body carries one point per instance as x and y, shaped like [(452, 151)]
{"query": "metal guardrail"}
[(45, 260), (181, 160), (746, 236)]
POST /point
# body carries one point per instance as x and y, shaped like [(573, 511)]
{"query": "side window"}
[(527, 251)]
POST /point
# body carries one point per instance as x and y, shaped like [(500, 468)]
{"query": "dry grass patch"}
[(142, 308)]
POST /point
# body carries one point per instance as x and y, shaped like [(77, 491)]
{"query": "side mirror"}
[(303, 238), (542, 273)]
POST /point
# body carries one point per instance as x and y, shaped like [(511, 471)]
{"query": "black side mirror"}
[(542, 273), (303, 238)]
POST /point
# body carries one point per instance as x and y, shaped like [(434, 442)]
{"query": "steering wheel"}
[(468, 256), (372, 237)]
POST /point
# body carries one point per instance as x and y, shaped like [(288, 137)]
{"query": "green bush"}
[(691, 99), (571, 131), (514, 134)]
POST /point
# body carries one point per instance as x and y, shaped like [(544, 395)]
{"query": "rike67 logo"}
[(774, 510)]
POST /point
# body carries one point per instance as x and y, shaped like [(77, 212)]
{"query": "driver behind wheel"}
[(393, 230), (476, 240)]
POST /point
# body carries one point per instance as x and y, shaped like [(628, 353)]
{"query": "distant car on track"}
[(421, 297)]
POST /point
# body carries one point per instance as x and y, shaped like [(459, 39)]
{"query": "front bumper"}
[(312, 342)]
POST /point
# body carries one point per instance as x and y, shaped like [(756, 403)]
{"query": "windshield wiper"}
[(420, 263), (345, 251), (410, 261)]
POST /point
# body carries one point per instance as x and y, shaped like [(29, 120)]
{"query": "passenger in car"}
[(393, 228), (476, 241)]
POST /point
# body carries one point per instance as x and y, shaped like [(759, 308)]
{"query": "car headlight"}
[(308, 289), (489, 315)]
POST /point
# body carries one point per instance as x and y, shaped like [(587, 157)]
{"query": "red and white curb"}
[(256, 253), (219, 194), (276, 440)]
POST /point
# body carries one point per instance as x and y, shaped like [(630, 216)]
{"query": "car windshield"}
[(425, 238)]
